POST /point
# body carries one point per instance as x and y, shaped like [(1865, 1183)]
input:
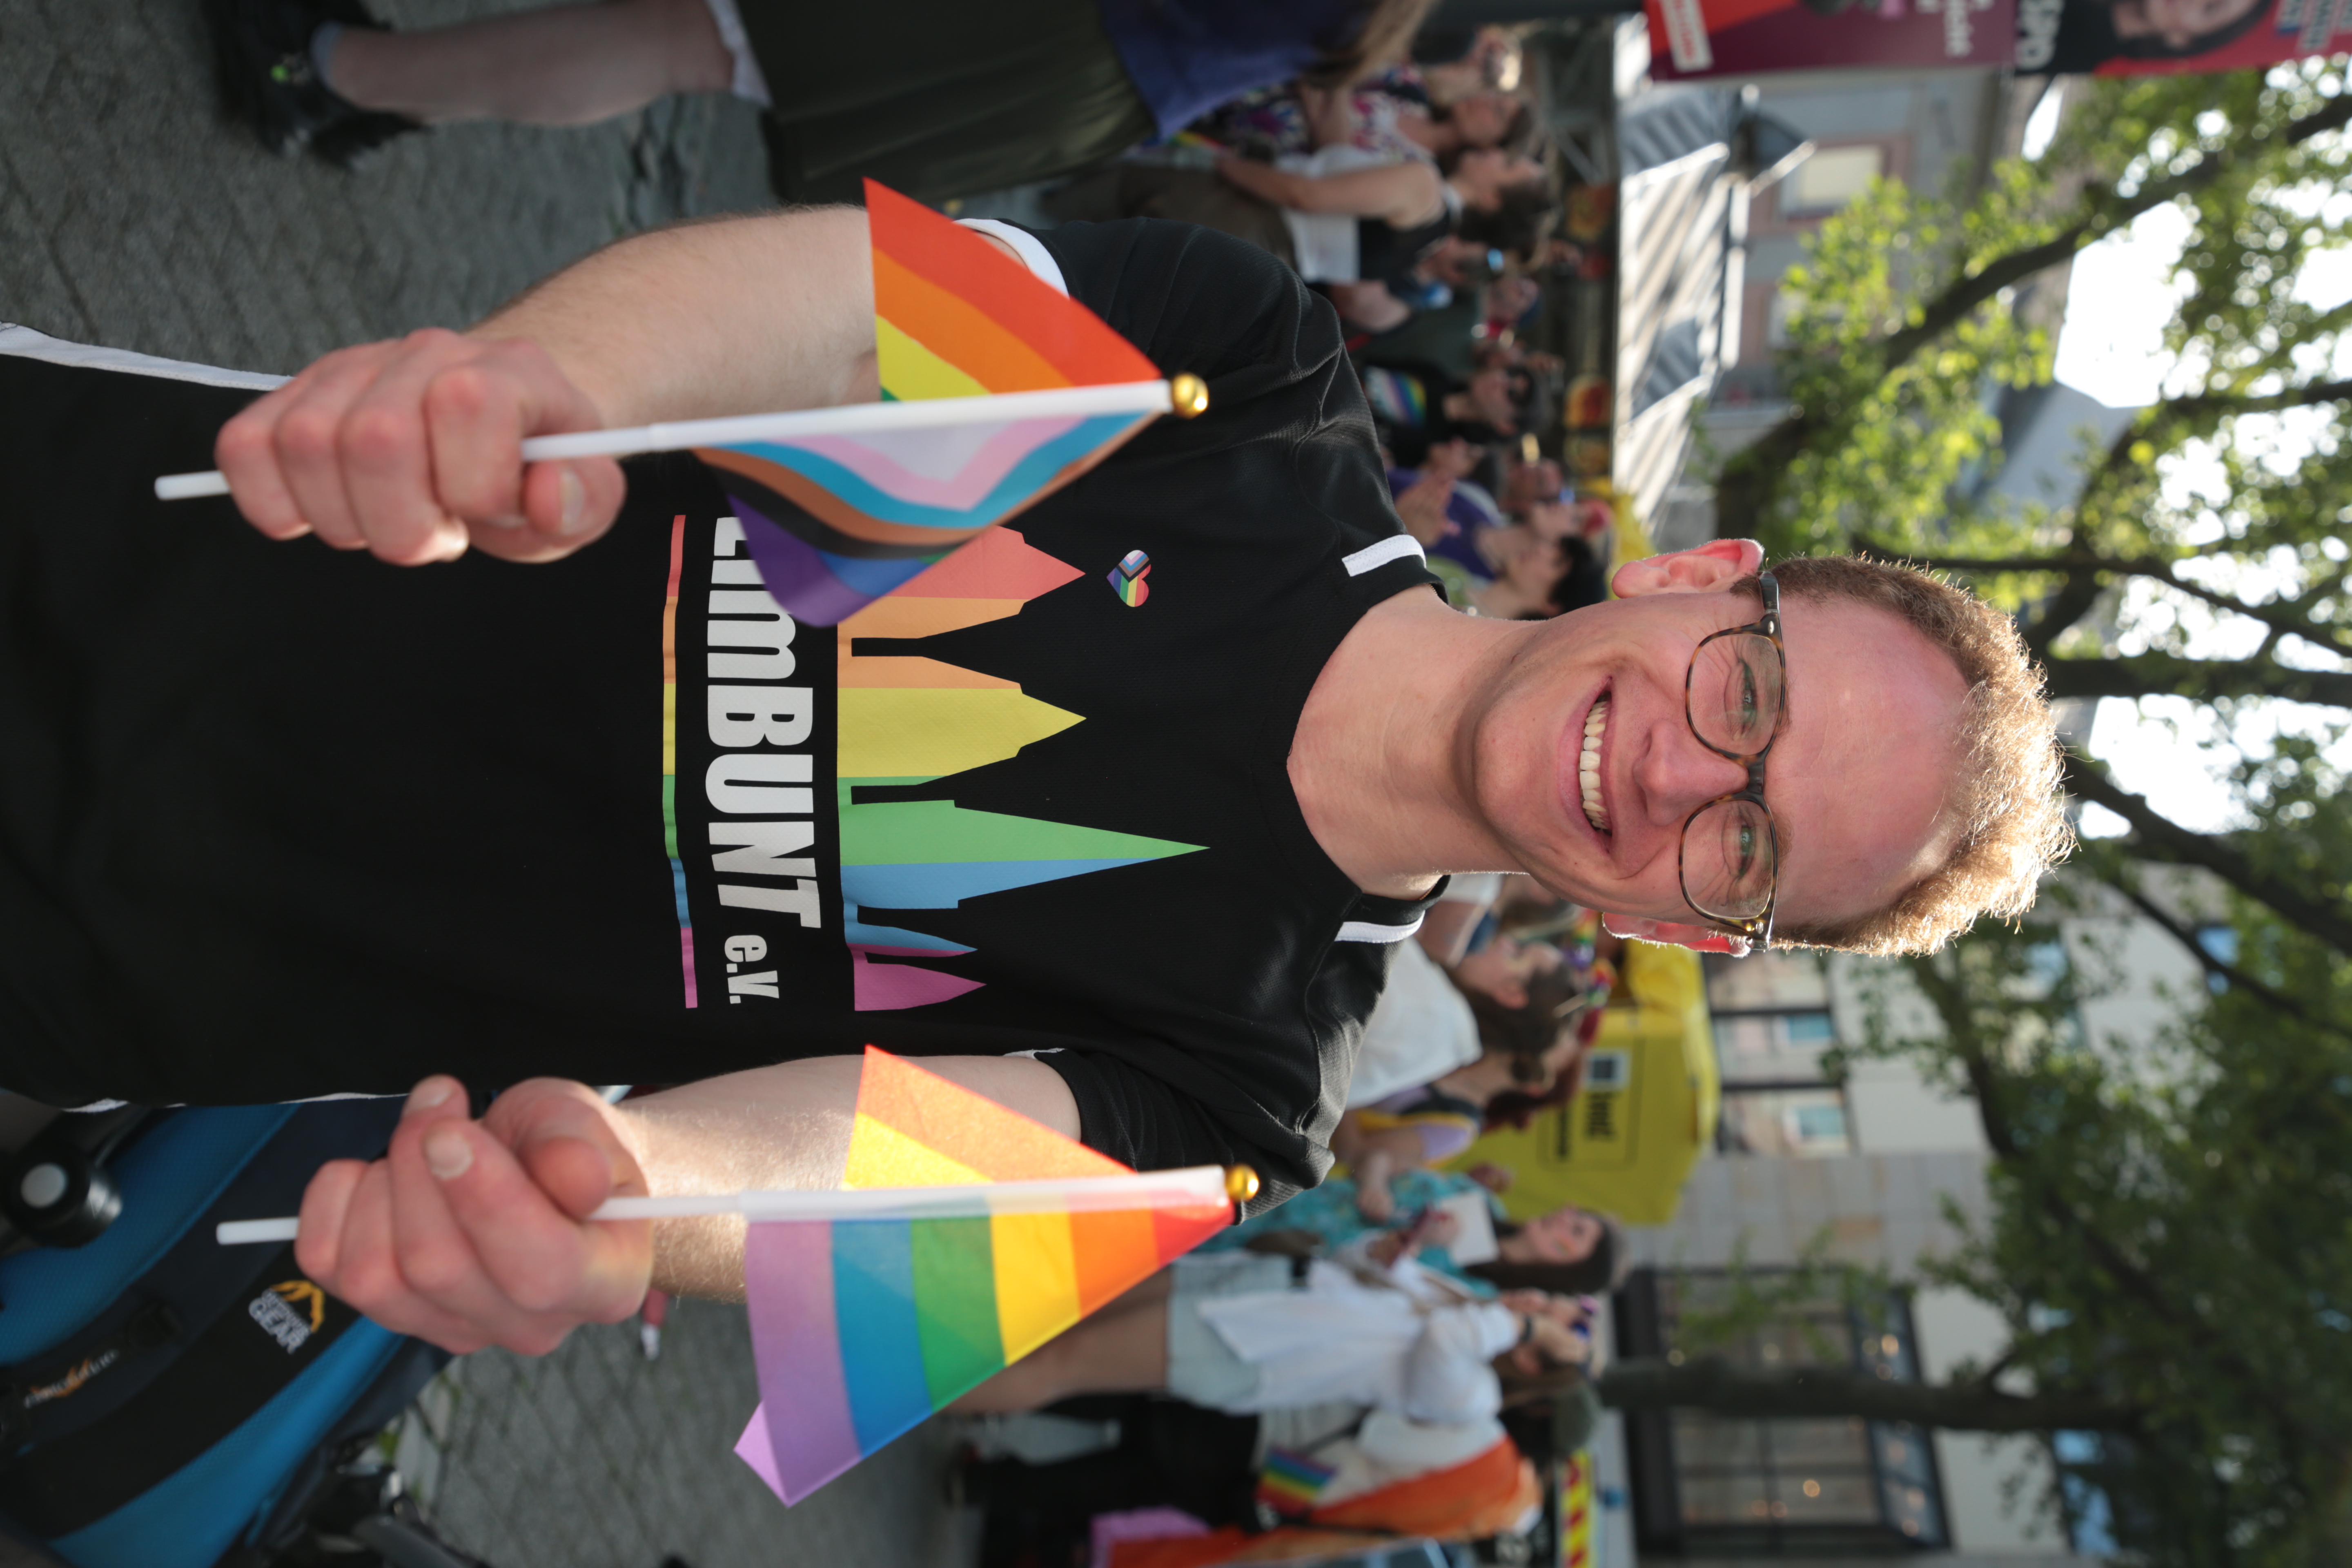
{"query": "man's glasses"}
[(1730, 857)]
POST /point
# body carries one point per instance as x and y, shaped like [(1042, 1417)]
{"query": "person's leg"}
[(1169, 1454), (566, 65), (1122, 1348)]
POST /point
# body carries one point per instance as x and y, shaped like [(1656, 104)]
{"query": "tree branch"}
[(2162, 839), (2303, 396), (2100, 216), (1750, 481), (2271, 614), (2200, 680), (2157, 916), (1713, 1384), (1984, 1084)]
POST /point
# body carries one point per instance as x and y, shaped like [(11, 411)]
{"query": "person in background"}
[(1518, 995), (1416, 409), (1387, 114), (1245, 1332), (1423, 1026), (2092, 32), (933, 98), (1581, 1250)]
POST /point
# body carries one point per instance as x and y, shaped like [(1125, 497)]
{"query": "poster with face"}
[(2127, 38), (1697, 38)]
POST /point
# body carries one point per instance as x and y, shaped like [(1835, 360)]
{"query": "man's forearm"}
[(740, 316), (784, 1127)]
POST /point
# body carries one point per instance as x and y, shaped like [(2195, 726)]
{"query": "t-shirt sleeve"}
[(1198, 301), (1148, 1123)]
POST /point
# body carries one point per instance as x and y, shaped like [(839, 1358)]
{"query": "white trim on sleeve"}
[(1032, 255), (1365, 931), (1395, 547)]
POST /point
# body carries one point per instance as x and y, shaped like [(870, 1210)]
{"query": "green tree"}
[(2170, 1242), (2198, 526)]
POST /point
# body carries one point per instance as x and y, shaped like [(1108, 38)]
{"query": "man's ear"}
[(1700, 571), (1673, 933)]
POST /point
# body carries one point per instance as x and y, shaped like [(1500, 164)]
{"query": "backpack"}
[(167, 1402)]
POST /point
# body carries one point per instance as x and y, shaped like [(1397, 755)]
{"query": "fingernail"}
[(575, 504), (504, 519), (432, 1091), (448, 1154)]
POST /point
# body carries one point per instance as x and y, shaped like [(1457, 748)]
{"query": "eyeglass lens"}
[(1727, 860)]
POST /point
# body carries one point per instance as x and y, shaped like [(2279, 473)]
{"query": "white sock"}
[(323, 50)]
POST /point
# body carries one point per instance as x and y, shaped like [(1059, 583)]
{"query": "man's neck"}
[(1378, 762)]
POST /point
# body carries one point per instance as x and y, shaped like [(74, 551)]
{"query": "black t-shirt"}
[(279, 821)]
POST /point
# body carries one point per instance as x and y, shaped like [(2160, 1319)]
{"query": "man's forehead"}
[(1864, 758)]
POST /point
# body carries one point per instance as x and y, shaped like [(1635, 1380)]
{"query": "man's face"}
[(1855, 780)]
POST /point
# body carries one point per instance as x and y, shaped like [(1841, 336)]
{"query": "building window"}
[(1715, 1486), (1831, 178)]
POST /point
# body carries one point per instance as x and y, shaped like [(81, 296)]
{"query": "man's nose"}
[(1678, 775)]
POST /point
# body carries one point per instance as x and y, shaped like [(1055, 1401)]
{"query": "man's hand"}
[(1421, 507), (411, 450), (471, 1234)]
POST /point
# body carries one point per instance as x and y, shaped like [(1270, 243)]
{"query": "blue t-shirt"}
[(1187, 56)]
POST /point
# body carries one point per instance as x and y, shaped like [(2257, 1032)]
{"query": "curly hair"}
[(2006, 805)]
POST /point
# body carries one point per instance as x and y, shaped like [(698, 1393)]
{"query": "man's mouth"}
[(1587, 766)]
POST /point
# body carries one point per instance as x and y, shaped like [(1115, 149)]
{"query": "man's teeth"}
[(1587, 766)]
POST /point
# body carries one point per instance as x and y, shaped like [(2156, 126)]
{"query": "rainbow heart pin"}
[(1127, 578)]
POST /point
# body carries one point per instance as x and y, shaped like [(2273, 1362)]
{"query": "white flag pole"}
[(1183, 396), (1192, 1186)]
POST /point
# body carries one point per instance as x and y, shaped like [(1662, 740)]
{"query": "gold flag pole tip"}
[(1241, 1182), (1188, 395)]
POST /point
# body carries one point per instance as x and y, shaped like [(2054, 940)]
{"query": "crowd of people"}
[(1417, 200), (1412, 192), (1199, 1005), (1375, 1329)]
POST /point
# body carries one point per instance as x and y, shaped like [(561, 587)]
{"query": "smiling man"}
[(281, 821)]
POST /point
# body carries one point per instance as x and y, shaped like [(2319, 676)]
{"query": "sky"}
[(2111, 346)]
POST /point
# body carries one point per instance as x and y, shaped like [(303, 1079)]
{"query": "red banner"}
[(1757, 38)]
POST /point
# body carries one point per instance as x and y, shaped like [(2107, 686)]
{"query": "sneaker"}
[(263, 51)]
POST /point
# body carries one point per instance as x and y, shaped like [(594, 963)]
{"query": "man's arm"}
[(411, 449), (782, 1128), (471, 1234), (1401, 192)]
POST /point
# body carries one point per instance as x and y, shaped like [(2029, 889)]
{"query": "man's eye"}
[(1743, 859), (1747, 699)]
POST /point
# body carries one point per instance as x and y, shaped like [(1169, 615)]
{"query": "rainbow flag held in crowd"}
[(863, 1327), (836, 522)]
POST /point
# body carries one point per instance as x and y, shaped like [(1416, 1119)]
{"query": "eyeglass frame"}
[(1758, 931)]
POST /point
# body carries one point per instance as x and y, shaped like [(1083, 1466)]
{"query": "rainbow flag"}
[(1291, 1483), (837, 522), (861, 1328)]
